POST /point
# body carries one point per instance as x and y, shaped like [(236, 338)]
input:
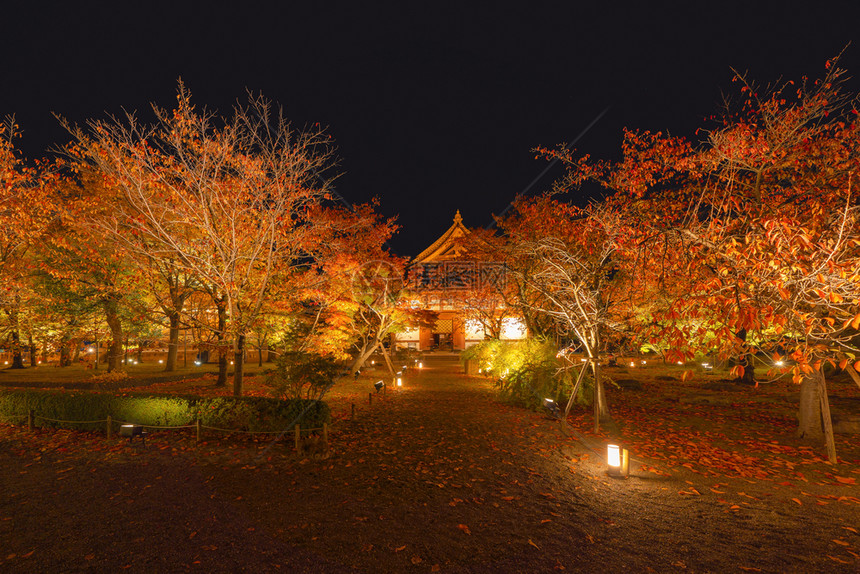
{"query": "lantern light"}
[(707, 367), (680, 362), (632, 364), (618, 461), (779, 363), (420, 365), (198, 363), (399, 378), (160, 361), (644, 362)]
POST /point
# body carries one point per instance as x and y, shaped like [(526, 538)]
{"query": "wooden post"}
[(353, 410), (30, 416), (370, 398), (596, 369), (298, 433), (197, 428), (825, 416), (109, 427)]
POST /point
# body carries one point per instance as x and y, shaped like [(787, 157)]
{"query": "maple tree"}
[(752, 235), (364, 298), (228, 203), (25, 212)]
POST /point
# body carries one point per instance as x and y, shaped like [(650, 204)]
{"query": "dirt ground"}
[(441, 477)]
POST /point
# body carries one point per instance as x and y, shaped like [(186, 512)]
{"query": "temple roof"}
[(446, 247)]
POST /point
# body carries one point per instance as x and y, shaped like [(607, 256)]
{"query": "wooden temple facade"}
[(441, 280)]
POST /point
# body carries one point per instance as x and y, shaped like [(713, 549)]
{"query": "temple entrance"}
[(442, 335), (443, 342)]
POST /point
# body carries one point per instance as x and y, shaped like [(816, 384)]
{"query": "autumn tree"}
[(363, 298), (25, 212), (752, 232), (579, 272), (227, 201)]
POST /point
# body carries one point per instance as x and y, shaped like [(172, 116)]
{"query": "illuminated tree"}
[(25, 211), (752, 236), (228, 203)]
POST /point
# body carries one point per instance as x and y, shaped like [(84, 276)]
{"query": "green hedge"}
[(235, 413)]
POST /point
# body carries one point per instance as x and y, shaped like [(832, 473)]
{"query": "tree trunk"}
[(829, 440), (809, 411), (362, 357), (65, 358), (17, 355), (114, 354), (31, 345), (172, 343), (239, 366), (601, 411), (746, 361), (219, 337)]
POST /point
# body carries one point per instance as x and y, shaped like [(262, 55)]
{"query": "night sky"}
[(433, 108)]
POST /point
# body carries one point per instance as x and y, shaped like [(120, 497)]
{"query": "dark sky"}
[(434, 107)]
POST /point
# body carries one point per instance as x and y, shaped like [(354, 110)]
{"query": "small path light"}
[(131, 431), (378, 385), (618, 460), (421, 365), (399, 378), (552, 407)]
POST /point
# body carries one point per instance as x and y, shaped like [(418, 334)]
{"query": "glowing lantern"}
[(618, 460)]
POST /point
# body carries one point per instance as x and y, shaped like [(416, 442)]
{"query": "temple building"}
[(442, 280)]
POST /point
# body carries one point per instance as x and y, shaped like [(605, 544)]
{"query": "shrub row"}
[(258, 414)]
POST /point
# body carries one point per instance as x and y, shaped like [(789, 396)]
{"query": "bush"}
[(258, 414), (299, 375), (528, 371)]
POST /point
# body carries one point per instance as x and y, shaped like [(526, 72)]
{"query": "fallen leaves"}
[(464, 528)]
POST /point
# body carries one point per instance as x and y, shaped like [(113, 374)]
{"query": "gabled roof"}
[(446, 247)]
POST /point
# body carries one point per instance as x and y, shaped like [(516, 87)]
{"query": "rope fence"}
[(31, 417)]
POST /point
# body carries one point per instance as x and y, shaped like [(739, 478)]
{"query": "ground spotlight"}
[(378, 385), (552, 407)]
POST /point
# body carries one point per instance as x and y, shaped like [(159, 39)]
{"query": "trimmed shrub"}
[(258, 414), (299, 375)]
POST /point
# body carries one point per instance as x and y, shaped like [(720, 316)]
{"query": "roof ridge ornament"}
[(458, 218)]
